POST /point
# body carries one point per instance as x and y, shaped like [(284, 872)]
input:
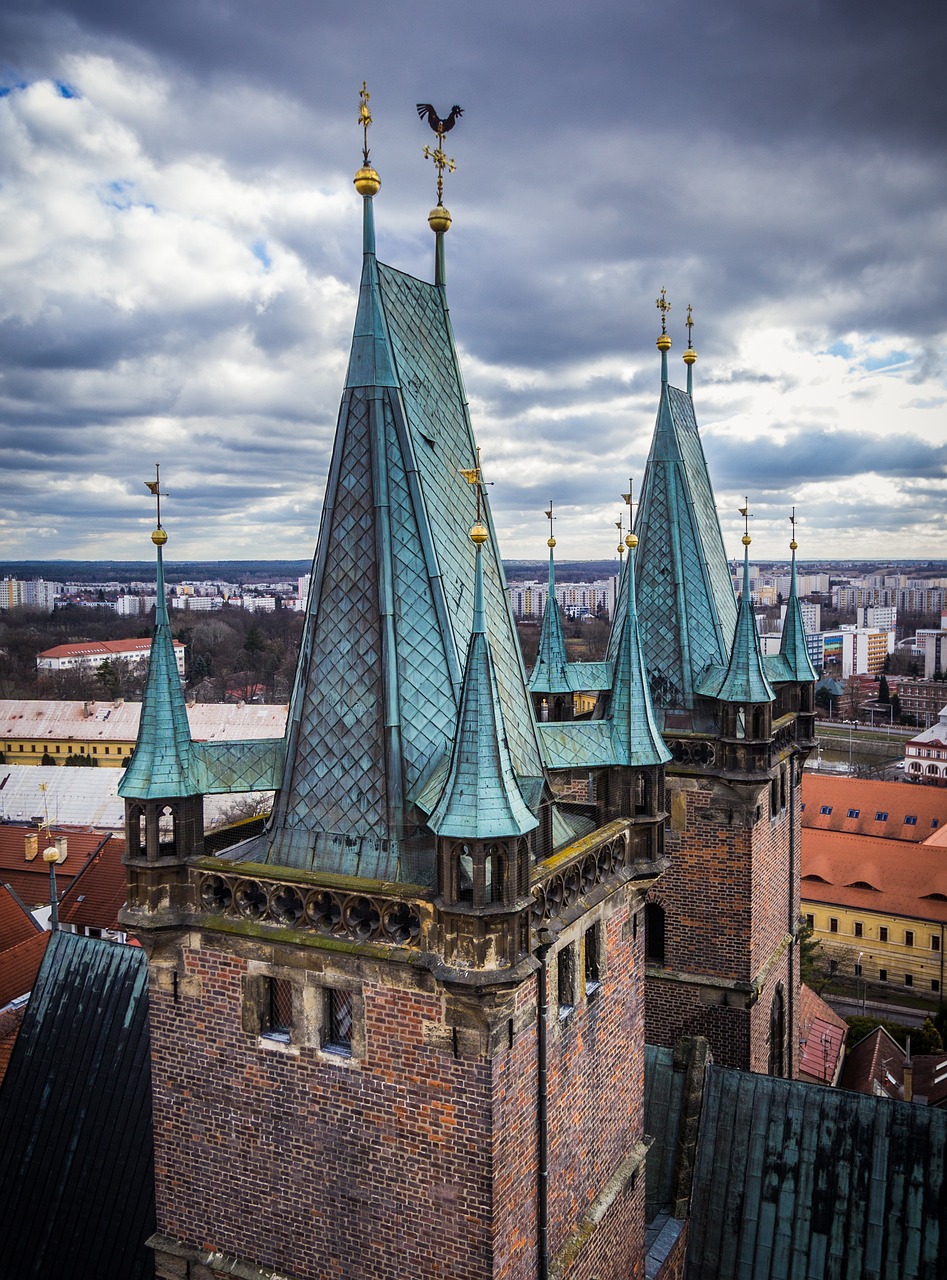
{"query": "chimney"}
[(119, 702), (31, 845), (87, 709), (61, 847)]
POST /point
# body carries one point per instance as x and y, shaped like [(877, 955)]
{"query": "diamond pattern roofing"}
[(390, 613), (687, 609)]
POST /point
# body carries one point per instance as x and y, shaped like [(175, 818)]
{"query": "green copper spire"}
[(687, 611), (161, 762), (745, 680), (374, 711), (793, 644), (550, 673), (635, 731), (481, 799)]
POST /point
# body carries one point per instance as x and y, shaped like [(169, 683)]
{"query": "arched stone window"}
[(167, 832), (777, 1033), (654, 932), (759, 722)]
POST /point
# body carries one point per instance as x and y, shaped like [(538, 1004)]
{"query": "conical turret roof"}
[(745, 680), (481, 799), (550, 673), (161, 762), (793, 647), (687, 610)]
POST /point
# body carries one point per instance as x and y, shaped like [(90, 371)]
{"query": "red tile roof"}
[(866, 800), (31, 879), (16, 925), (874, 875), (19, 966), (875, 1066), (822, 1033), (97, 894), (90, 648)]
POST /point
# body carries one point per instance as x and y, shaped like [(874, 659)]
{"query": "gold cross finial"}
[(551, 542), (364, 118), (690, 325), (474, 476), (792, 520), (441, 162), (664, 307), (155, 487), (747, 517), (619, 525), (628, 499)]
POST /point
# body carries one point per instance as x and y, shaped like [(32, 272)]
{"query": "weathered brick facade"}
[(730, 902), (418, 1153)]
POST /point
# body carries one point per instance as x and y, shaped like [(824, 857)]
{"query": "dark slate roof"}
[(76, 1158), (797, 1180)]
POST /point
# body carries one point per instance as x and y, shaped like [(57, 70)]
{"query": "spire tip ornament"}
[(439, 218), (745, 513), (690, 355), (367, 181), (662, 304), (159, 537)]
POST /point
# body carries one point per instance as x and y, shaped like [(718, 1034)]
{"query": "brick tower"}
[(721, 953), (400, 1031)]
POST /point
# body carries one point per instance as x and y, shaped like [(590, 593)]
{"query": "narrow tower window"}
[(337, 1030)]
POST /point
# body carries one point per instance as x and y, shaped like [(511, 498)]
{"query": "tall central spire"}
[(389, 619)]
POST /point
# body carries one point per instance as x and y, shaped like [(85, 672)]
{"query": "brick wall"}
[(728, 898), (419, 1155)]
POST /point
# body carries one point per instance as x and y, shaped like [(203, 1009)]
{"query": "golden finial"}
[(792, 520), (367, 181), (159, 537), (550, 541), (620, 526), (745, 513), (439, 218), (630, 539), (690, 355), (662, 304)]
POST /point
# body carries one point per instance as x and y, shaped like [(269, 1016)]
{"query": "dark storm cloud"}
[(778, 164)]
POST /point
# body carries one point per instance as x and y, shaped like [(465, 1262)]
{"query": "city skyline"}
[(183, 240)]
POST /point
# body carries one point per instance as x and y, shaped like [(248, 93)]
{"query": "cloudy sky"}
[(180, 248)]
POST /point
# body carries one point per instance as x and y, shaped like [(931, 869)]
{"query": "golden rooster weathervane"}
[(364, 117), (438, 154)]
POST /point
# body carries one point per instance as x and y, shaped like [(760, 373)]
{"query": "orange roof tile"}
[(874, 875), (854, 805)]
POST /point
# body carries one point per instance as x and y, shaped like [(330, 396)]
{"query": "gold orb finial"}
[(439, 220), (664, 342), (159, 537), (367, 181), (550, 543), (690, 355), (631, 541), (746, 539), (793, 545), (51, 854), (478, 533)]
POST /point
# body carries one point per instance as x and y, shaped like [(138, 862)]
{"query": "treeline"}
[(230, 654)]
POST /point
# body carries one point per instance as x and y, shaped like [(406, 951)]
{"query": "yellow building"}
[(885, 902), (42, 731)]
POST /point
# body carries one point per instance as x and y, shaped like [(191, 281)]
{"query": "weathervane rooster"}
[(440, 127), (437, 154)]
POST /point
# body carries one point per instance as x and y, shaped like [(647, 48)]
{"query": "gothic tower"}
[(399, 1031), (721, 951)]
